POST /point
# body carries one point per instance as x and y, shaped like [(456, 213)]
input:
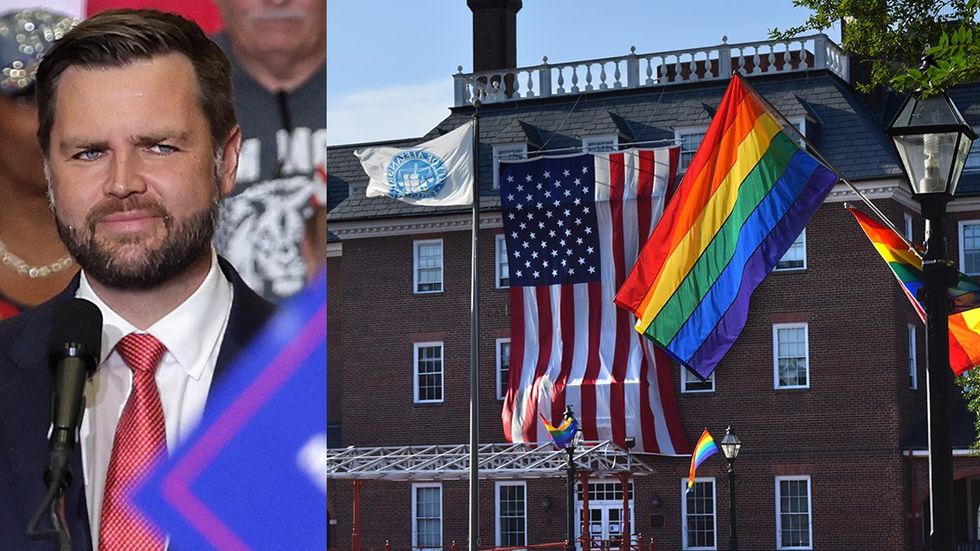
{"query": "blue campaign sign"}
[(253, 475)]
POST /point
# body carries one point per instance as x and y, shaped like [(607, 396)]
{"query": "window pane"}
[(701, 515), (513, 525), (504, 363), (429, 266), (689, 146), (794, 513), (429, 368), (791, 350), (503, 268), (693, 384), (428, 516), (795, 256), (971, 247)]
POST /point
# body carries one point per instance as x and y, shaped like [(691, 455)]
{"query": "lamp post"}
[(730, 445), (933, 142), (570, 450)]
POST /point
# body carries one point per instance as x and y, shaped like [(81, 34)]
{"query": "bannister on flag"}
[(436, 173), (747, 195), (964, 322), (573, 227)]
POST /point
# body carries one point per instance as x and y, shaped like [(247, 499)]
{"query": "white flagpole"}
[(474, 532)]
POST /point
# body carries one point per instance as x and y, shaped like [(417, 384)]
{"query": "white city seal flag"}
[(436, 173)]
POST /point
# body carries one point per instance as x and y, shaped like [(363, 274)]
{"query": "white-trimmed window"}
[(427, 266), (428, 372), (913, 367), (969, 231), (795, 256), (698, 521), (511, 509), (691, 383), (907, 219), (502, 270), (973, 159), (800, 124), (427, 516), (506, 152), (794, 527), (791, 356), (600, 144), (690, 139), (503, 367)]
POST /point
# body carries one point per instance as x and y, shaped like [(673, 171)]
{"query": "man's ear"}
[(229, 160)]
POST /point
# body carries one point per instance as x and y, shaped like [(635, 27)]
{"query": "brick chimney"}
[(494, 33)]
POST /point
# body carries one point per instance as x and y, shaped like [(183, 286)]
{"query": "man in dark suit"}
[(140, 140)]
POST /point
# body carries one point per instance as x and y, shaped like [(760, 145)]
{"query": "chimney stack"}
[(494, 34)]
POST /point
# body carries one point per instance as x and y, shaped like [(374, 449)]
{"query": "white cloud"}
[(402, 111)]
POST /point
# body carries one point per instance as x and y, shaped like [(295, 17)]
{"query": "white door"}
[(605, 513)]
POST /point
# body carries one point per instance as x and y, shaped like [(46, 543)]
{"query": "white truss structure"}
[(497, 462)]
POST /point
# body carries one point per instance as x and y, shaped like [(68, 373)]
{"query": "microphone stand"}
[(57, 477)]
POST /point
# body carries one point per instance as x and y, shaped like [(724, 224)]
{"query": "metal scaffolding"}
[(496, 462)]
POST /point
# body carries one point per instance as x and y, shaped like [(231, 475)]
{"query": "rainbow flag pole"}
[(704, 449)]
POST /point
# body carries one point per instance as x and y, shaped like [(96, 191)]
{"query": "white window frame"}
[(907, 220), (415, 519), (496, 502), (501, 253), (497, 347), (714, 512), (679, 134), (687, 377), (775, 354), (506, 151), (415, 265), (809, 508), (973, 158), (599, 144), (913, 364), (802, 240), (959, 233), (800, 124), (415, 371)]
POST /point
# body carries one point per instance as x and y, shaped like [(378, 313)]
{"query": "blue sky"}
[(390, 62)]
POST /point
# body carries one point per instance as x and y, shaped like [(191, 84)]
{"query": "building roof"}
[(962, 421)]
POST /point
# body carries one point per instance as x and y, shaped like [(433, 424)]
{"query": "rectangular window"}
[(794, 529), (691, 383), (506, 152), (913, 368), (795, 257), (511, 514), (427, 516), (503, 267), (600, 144), (428, 266), (970, 245), (503, 367), (790, 355), (428, 372), (907, 218), (690, 140), (973, 159), (698, 514)]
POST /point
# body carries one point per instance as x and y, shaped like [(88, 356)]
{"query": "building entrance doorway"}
[(605, 515)]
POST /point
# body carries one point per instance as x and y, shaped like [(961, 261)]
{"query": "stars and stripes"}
[(574, 226)]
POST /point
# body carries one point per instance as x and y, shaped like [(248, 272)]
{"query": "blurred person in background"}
[(34, 264), (278, 54)]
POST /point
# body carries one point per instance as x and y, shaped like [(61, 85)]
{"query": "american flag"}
[(574, 226)]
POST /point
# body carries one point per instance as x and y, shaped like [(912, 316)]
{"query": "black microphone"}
[(74, 350)]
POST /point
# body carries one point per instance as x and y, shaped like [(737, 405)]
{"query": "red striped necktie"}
[(141, 439)]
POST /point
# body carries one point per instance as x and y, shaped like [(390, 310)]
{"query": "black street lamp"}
[(730, 445), (933, 141), (570, 450)]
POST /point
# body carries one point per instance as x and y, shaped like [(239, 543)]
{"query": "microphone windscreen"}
[(78, 324)]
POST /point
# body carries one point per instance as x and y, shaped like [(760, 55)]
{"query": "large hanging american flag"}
[(574, 226)]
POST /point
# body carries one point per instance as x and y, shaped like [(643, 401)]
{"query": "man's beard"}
[(183, 243)]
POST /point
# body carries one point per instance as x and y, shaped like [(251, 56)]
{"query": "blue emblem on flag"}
[(416, 174)]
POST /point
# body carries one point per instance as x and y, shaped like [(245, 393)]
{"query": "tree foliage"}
[(895, 34)]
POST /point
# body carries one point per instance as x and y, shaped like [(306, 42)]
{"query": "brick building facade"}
[(845, 451)]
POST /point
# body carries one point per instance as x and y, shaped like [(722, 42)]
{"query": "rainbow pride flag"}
[(745, 198), (562, 434), (706, 448), (905, 263)]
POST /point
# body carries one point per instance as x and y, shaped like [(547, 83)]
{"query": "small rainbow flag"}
[(964, 322), (704, 449), (563, 434), (745, 198)]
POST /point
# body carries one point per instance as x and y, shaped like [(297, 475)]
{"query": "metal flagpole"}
[(474, 533)]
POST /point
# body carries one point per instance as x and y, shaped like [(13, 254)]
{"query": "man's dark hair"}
[(116, 38)]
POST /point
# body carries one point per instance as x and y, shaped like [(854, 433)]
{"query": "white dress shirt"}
[(192, 334)]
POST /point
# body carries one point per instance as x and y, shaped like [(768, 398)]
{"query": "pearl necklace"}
[(24, 269)]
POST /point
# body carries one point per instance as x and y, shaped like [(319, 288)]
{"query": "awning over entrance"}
[(497, 462)]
